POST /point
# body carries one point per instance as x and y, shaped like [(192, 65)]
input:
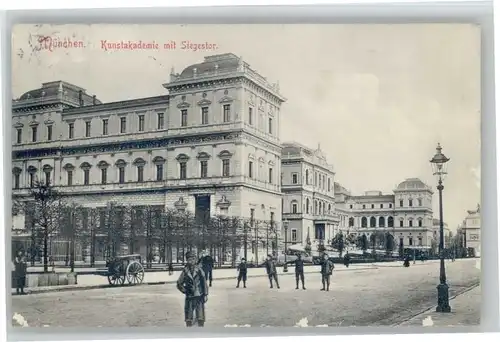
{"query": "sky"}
[(377, 98)]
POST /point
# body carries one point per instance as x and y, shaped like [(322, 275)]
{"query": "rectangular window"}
[(410, 223), (410, 241), (49, 132), (294, 208), (252, 216), (401, 223), (270, 126), (410, 203), (295, 178), (420, 241), (70, 178), (159, 172), (86, 177), (183, 170), (121, 175), (104, 176), (294, 235), (140, 173), (270, 175), (250, 169), (16, 181), (47, 178), (161, 121), (381, 206), (225, 168), (390, 205), (184, 118), (32, 180), (401, 203), (123, 125), (329, 185), (203, 169), (250, 116), (204, 115), (19, 135), (226, 113), (419, 202), (71, 130), (87, 129), (141, 123), (104, 126), (34, 133)]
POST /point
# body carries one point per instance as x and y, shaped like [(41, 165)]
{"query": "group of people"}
[(196, 278)]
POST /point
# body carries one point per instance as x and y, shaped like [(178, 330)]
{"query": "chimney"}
[(80, 98), (94, 100)]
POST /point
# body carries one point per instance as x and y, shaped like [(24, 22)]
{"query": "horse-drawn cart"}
[(126, 267)]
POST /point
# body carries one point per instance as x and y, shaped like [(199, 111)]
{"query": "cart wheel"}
[(116, 279), (135, 273)]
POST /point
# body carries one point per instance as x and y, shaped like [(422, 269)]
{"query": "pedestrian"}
[(347, 260), (271, 271), (326, 272), (170, 268), (193, 284), (20, 267), (299, 272), (242, 273), (407, 261), (207, 264)]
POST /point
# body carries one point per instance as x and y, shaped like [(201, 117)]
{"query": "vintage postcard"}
[(256, 175)]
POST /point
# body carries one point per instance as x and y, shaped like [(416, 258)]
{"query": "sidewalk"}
[(90, 281), (465, 311)]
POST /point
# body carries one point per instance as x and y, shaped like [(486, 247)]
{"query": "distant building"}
[(435, 233), (406, 214), (471, 228)]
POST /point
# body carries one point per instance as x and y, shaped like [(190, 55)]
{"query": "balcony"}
[(292, 216), (260, 184)]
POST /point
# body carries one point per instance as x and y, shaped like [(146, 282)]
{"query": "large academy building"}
[(211, 145)]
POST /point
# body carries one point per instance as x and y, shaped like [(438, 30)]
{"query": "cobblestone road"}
[(381, 296)]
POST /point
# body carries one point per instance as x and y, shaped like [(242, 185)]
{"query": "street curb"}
[(465, 290), (101, 286)]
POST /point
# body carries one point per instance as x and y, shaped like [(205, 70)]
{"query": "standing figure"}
[(207, 264), (271, 271), (242, 273), (299, 272), (20, 267), (347, 260), (326, 272), (193, 284), (406, 263)]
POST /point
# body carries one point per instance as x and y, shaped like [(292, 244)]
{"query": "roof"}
[(412, 184), (59, 89), (227, 62)]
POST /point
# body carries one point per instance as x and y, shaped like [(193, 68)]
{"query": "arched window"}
[(203, 158), (121, 164), (364, 222), (315, 207), (159, 164), (390, 221), (329, 208), (69, 173), (351, 221), (373, 222), (139, 163), (225, 156), (32, 175), (401, 223), (410, 223), (307, 205), (419, 202), (47, 170), (103, 166), (420, 222), (86, 172), (16, 171), (381, 221), (182, 159), (294, 207)]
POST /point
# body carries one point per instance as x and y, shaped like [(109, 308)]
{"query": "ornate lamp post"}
[(285, 226), (438, 163)]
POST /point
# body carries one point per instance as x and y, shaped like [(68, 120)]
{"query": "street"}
[(369, 297)]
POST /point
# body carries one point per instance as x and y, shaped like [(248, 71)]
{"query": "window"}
[(420, 241), (295, 178), (381, 221), (307, 176), (390, 222), (123, 124), (294, 208), (121, 174), (373, 206), (401, 203), (141, 123), (420, 222), (270, 126), (87, 129), (104, 126), (226, 113), (294, 235), (203, 169), (250, 169), (390, 205), (364, 222), (71, 130), (351, 221), (204, 115), (381, 206), (410, 241), (159, 172), (329, 185), (364, 206), (184, 118), (140, 173), (250, 116), (410, 223), (49, 132), (401, 223), (19, 135), (419, 202), (86, 177), (315, 179), (104, 176), (350, 206), (16, 180), (271, 175), (373, 222), (225, 168), (410, 203), (34, 133), (161, 121), (32, 179), (182, 170), (307, 205), (47, 177), (252, 216)]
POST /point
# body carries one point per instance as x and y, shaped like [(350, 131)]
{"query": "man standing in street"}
[(299, 272), (271, 271), (193, 284), (207, 264), (242, 273), (326, 272), (20, 267)]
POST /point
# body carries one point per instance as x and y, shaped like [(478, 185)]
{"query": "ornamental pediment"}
[(49, 122), (204, 102), (34, 123), (261, 108), (183, 105), (226, 99), (18, 125)]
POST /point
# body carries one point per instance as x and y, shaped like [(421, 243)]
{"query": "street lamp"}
[(285, 226), (438, 163)]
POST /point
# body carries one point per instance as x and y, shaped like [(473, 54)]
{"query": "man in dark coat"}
[(193, 284), (326, 272), (207, 264), (271, 271), (347, 260), (20, 267), (242, 273), (299, 272)]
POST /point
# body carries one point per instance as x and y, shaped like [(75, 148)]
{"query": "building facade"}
[(210, 146), (471, 228), (406, 214), (307, 183)]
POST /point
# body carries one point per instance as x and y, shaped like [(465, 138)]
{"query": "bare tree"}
[(73, 227), (113, 223)]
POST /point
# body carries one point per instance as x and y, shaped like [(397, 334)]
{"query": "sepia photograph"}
[(239, 176)]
